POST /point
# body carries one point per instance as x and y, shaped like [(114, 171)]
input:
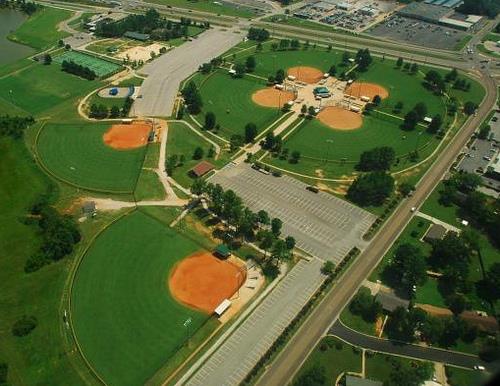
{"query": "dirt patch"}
[(435, 311), (319, 173), (202, 281), (309, 75), (127, 136), (272, 97), (359, 89), (340, 119), (141, 52)]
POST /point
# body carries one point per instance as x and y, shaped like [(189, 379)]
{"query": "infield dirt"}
[(340, 119), (272, 97), (359, 89), (202, 281), (309, 75), (127, 136)]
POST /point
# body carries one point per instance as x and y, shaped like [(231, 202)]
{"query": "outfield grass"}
[(49, 89), (40, 357), (149, 187), (231, 101), (76, 153), (102, 68), (40, 30), (126, 321), (334, 361)]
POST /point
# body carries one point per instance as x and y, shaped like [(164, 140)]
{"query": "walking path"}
[(161, 171), (439, 222), (405, 349)]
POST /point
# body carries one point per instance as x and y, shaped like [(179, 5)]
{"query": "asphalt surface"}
[(322, 224), (165, 74), (235, 358), (404, 349)]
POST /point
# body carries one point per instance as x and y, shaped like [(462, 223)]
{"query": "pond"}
[(10, 51)]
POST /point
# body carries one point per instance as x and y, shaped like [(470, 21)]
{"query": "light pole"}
[(329, 142), (186, 324)]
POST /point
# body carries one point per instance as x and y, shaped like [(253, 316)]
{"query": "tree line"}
[(100, 111), (59, 234), (27, 7), (71, 67), (14, 127), (241, 224), (150, 23)]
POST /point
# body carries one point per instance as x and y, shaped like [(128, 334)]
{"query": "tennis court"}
[(101, 67)]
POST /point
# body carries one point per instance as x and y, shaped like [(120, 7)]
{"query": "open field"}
[(49, 88), (40, 30), (231, 101), (206, 6), (38, 357), (77, 154), (101, 67), (122, 308)]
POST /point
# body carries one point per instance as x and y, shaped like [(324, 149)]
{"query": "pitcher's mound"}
[(309, 75), (127, 136), (202, 281), (272, 97), (359, 89), (340, 119)]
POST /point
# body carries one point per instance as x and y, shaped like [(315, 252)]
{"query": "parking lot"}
[(322, 225), (418, 32), (237, 356)]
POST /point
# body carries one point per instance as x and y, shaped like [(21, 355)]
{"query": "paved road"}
[(232, 361), (413, 351), (165, 73), (281, 371), (322, 224)]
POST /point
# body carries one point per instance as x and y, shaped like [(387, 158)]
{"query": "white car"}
[(479, 367), (413, 209)]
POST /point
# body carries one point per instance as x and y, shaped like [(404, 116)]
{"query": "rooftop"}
[(435, 232), (390, 301), (355, 381), (202, 168)]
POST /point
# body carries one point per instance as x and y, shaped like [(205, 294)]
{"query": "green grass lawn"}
[(126, 321), (380, 366), (463, 377), (40, 30), (77, 154), (183, 141), (149, 187), (207, 6), (432, 207), (356, 322), (234, 108), (40, 357), (50, 90), (334, 360)]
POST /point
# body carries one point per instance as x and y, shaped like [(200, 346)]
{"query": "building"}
[(356, 381), (201, 169), (89, 208), (222, 251), (136, 36), (435, 232), (390, 301)]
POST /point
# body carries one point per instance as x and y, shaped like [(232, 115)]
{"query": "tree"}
[(258, 34), (280, 76), (489, 8), (414, 68), (407, 373), (345, 58), (409, 266), (328, 268), (379, 158), (303, 110), (24, 326), (192, 97), (276, 225), (365, 305), (250, 63), (410, 121), (457, 303), (435, 81), (198, 153), (435, 124), (398, 107), (295, 157), (311, 111), (470, 108), (280, 251), (405, 188), (198, 187), (314, 376), (235, 142), (250, 132), (114, 112), (4, 370), (371, 188), (263, 218), (403, 324), (484, 132), (47, 59), (209, 121), (290, 242), (239, 69), (377, 100), (489, 287), (363, 59), (421, 110), (451, 76), (465, 182), (284, 44), (399, 62), (333, 70)]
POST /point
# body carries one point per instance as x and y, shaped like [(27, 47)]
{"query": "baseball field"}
[(76, 153), (124, 309)]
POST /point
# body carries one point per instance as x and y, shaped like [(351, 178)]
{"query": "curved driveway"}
[(404, 349)]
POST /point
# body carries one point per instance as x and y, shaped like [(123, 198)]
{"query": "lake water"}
[(9, 51)]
